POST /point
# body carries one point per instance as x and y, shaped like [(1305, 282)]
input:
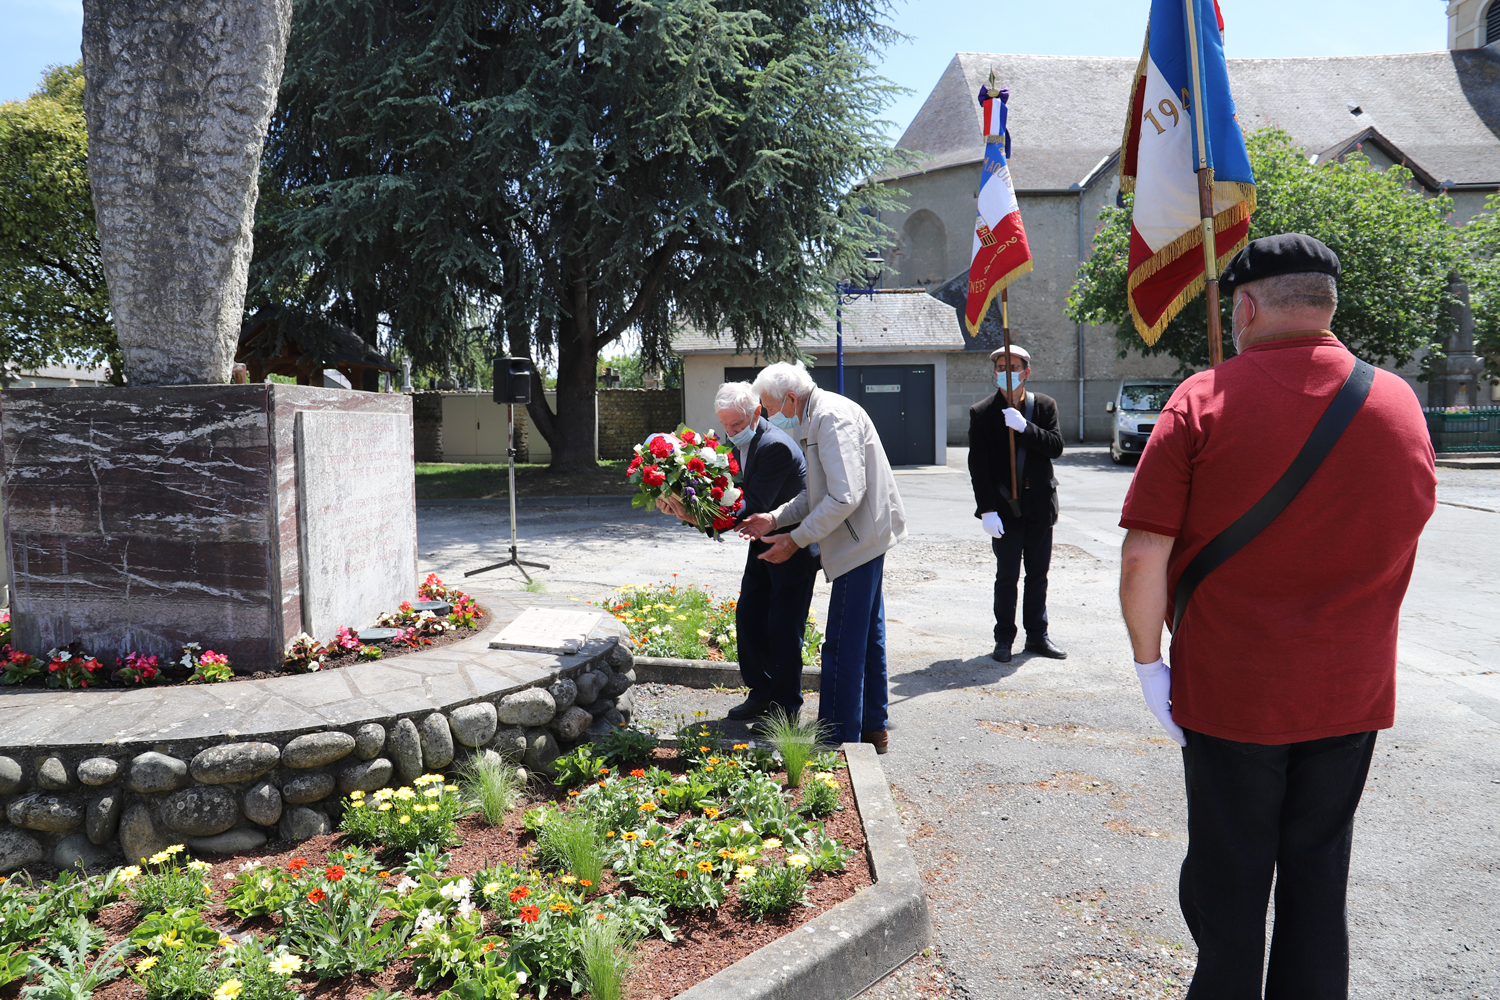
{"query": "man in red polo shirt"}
[(1284, 660)]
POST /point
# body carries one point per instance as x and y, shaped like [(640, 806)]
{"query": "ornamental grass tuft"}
[(796, 741), (606, 952), (570, 842), (492, 785)]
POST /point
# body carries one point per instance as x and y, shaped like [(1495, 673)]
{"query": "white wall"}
[(474, 428)]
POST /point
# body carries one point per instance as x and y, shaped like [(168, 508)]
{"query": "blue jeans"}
[(853, 697)]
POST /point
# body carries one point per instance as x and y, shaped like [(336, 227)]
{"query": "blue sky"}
[(39, 33)]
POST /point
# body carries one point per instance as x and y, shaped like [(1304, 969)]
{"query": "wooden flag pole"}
[(1015, 493), (1205, 195)]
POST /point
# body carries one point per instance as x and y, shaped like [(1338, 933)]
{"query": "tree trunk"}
[(573, 444), (178, 97)]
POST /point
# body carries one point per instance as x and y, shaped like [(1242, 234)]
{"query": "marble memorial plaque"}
[(357, 517), (551, 630)]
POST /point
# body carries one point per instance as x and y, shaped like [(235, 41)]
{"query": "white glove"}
[(990, 521), (1156, 685), (1014, 420)]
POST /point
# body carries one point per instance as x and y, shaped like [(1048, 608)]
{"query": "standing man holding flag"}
[(1015, 496)]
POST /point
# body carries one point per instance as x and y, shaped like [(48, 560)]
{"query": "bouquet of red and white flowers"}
[(694, 471)]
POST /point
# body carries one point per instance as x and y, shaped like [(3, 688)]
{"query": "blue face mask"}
[(744, 437), (1010, 381), (785, 423)]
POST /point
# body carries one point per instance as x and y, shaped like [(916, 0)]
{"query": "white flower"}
[(406, 885), (266, 884), (249, 866), (427, 920), (230, 876), (521, 978), (454, 891), (465, 907), (722, 638), (731, 494)]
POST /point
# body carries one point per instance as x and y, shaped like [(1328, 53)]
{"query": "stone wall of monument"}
[(427, 426)]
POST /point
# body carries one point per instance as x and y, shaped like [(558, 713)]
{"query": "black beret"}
[(1289, 253)]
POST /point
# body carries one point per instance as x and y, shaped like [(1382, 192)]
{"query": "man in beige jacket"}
[(851, 508)]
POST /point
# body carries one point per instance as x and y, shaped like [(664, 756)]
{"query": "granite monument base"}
[(234, 516)]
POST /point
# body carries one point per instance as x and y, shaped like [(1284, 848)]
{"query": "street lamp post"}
[(845, 289)]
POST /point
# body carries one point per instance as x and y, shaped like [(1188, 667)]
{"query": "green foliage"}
[(262, 973), (544, 177), (579, 765), (625, 745), (821, 796), (29, 911), (605, 953), (796, 741), (492, 786), (1394, 243), (13, 964), (54, 304), (74, 977), (175, 930), (1480, 240), (570, 842), (331, 918), (773, 890), (160, 883), (423, 814)]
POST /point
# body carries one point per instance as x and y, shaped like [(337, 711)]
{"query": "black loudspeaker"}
[(512, 380)]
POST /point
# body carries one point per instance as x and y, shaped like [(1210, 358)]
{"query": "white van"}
[(1136, 407)]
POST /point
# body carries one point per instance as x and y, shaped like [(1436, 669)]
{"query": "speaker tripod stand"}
[(510, 451)]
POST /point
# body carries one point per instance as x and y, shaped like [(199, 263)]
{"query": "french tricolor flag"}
[(1160, 159), (1001, 253)]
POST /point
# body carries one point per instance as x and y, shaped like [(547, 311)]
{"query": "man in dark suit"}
[(1021, 527), (771, 616)]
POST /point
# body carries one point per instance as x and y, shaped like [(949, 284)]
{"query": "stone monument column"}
[(179, 94), (1455, 376)]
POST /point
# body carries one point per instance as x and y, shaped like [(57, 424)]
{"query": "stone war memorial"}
[(181, 508)]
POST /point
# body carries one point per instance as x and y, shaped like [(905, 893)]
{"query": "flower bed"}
[(680, 862), (688, 622), (73, 667)]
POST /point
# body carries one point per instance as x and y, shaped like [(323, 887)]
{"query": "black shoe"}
[(1045, 647), (1001, 653), (749, 709)]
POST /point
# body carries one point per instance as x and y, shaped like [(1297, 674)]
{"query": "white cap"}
[(1018, 351)]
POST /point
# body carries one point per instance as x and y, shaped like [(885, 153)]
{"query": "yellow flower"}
[(702, 634), (713, 760), (797, 861), (745, 872), (356, 794), (199, 866), (231, 989), (385, 807), (405, 819), (146, 963), (450, 788), (742, 746), (160, 857), (612, 833), (432, 793), (648, 843), (286, 964), (225, 941), (356, 804), (129, 875), (405, 794), (704, 866), (771, 842), (632, 835), (648, 807), (175, 849), (724, 852), (568, 879)]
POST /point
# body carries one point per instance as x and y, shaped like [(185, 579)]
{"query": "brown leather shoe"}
[(878, 739)]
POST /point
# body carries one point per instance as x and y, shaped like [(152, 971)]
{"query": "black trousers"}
[(770, 620), (1029, 541), (1254, 811)]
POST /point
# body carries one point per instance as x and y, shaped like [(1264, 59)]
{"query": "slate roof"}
[(1442, 109), (898, 319)]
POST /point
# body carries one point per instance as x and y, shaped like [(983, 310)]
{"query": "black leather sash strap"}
[(1351, 396)]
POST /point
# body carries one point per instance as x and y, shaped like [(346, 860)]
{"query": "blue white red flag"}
[(1001, 253), (1161, 154)]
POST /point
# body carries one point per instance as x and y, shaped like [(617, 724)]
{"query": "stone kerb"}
[(90, 775)]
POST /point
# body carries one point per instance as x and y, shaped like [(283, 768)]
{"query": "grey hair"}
[(1307, 290), (737, 396), (775, 381)]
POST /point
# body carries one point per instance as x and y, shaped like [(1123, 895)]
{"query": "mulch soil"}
[(336, 658), (707, 941)]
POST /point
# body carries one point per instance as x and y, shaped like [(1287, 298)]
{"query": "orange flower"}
[(638, 773), (334, 873), (561, 907), (296, 864), (519, 893), (317, 896), (681, 873), (585, 882), (603, 770), (489, 946), (381, 874), (529, 914)]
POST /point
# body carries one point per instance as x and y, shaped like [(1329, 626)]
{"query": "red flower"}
[(695, 466), (661, 447), (689, 437), (519, 893), (653, 476), (717, 493), (734, 467), (721, 481), (529, 914), (635, 463), (334, 873), (296, 864), (317, 896), (638, 773)]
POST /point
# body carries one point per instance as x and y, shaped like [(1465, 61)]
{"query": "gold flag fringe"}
[(1000, 283), (1190, 240), (1127, 181)]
